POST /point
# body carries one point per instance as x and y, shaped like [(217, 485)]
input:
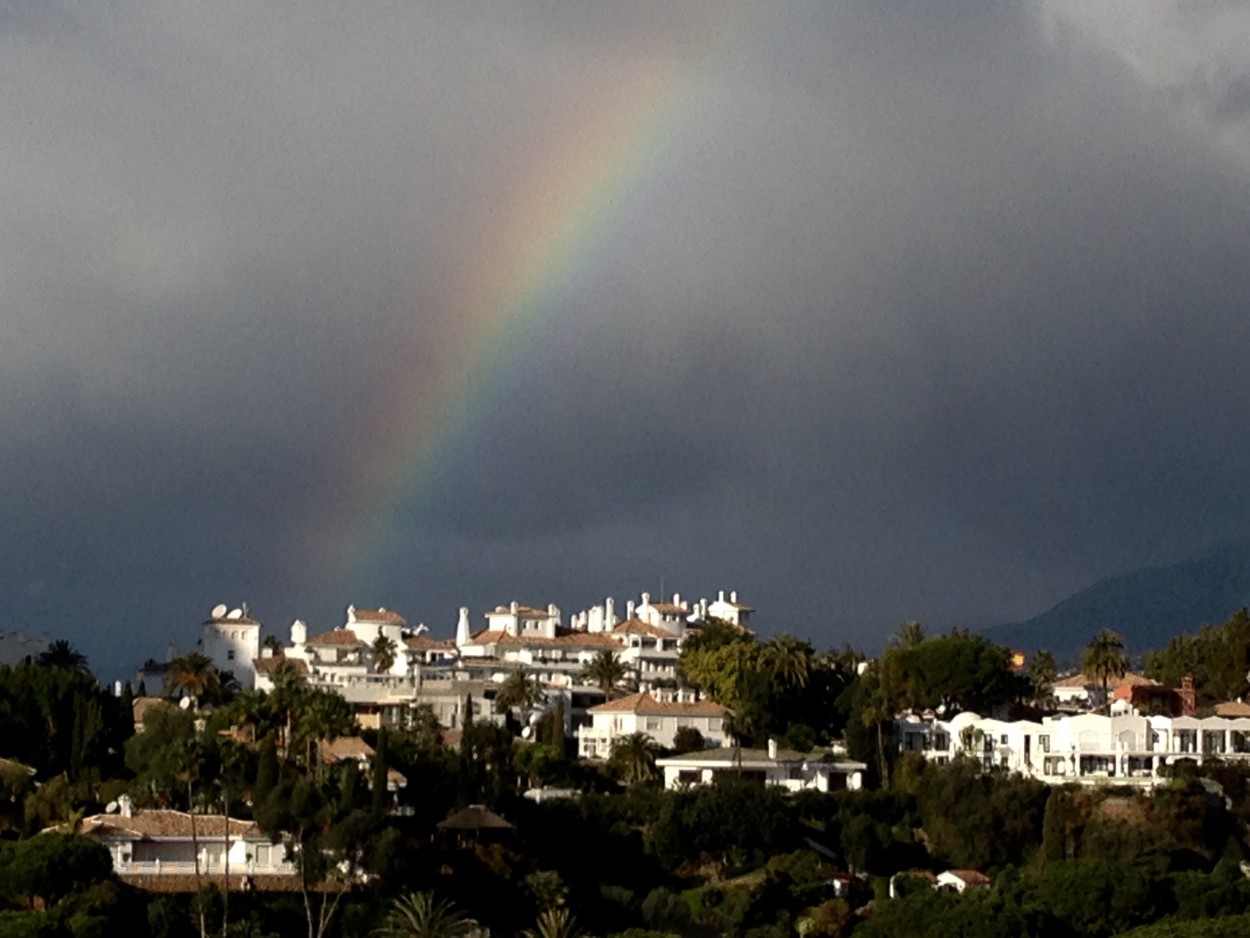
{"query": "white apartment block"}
[(1088, 748)]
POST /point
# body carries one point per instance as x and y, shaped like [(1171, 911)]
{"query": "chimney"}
[(720, 597), (1189, 700), (351, 614), (463, 630), (513, 607), (646, 598), (703, 609), (609, 613), (629, 608), (677, 599), (733, 596), (125, 806), (772, 749)]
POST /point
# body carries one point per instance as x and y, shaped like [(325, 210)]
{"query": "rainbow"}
[(554, 225)]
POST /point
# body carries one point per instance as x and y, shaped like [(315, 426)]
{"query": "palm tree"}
[(1103, 659), (635, 756), (420, 915), (910, 634), (607, 670), (61, 654), (383, 650), (554, 923), (788, 660), (273, 643), (1042, 672), (518, 690), (194, 675)]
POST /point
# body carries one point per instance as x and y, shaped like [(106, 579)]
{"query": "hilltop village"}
[(649, 768)]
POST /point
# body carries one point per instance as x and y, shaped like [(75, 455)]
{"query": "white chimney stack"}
[(629, 608), (720, 597), (772, 749), (463, 629), (609, 613)]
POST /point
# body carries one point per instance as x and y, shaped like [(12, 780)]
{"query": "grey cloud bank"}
[(916, 313)]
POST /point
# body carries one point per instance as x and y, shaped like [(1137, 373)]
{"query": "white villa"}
[(642, 713), (160, 843), (793, 771), (1088, 748)]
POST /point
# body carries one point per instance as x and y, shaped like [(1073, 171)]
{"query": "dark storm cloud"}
[(927, 311)]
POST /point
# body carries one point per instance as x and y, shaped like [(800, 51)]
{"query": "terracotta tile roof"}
[(475, 817), (426, 643), (636, 626), (153, 822), (344, 747), (1232, 708), (386, 616), (1130, 679), (487, 637), (338, 636), (530, 612), (574, 639), (280, 663), (226, 620), (645, 704), (670, 609)]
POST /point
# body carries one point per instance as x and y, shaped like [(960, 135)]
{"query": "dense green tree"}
[(910, 634), (1042, 674), (1217, 657), (688, 739), (958, 671), (787, 660), (1104, 658)]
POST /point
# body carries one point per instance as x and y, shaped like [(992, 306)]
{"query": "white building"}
[(1087, 747), (783, 768), (730, 610), (160, 843), (642, 713), (231, 639)]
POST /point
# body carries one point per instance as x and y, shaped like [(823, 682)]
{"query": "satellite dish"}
[(219, 610), (185, 703), (110, 808), (527, 732), (235, 614)]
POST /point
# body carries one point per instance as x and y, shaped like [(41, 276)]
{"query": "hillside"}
[(1146, 606)]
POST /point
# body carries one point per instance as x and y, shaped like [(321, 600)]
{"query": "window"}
[(1002, 740), (653, 723), (1044, 742), (230, 655)]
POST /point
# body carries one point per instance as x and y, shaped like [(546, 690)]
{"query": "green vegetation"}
[(626, 858)]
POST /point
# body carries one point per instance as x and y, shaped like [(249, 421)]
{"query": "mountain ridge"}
[(1147, 606)]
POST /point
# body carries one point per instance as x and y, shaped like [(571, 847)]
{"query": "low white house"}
[(793, 771), (168, 843), (659, 719)]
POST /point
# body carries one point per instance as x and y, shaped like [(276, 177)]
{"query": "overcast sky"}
[(884, 311)]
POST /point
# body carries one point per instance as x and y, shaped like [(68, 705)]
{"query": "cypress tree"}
[(380, 758), (266, 770)]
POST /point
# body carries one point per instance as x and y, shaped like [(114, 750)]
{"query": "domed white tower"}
[(232, 640)]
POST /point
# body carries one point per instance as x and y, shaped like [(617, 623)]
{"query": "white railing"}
[(185, 867)]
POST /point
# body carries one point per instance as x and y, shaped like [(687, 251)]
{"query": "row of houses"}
[(1087, 748)]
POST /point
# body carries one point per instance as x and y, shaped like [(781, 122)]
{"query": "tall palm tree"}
[(194, 675), (383, 650), (554, 923), (61, 654), (607, 670), (635, 756), (1104, 658), (788, 659), (421, 915), (518, 690), (1042, 673)]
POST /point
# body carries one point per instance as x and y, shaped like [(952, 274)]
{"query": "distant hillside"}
[(1146, 606)]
